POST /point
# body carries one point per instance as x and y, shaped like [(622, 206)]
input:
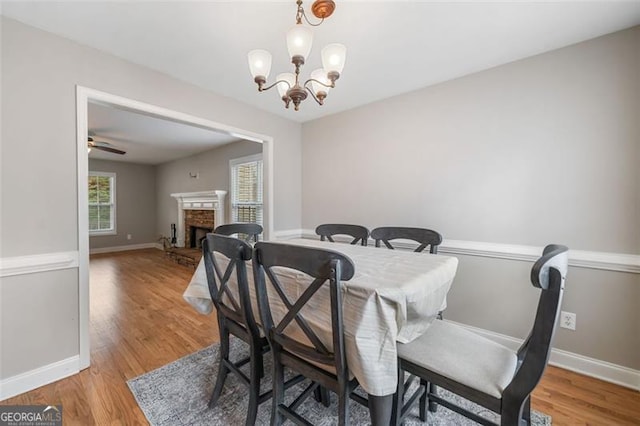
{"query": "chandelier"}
[(299, 40)]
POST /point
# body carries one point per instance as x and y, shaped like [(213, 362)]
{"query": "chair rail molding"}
[(619, 262), (291, 233), (29, 264)]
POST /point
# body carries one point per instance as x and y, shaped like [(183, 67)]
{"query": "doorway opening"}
[(85, 96)]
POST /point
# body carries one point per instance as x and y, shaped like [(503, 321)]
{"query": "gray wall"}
[(40, 328), (540, 150), (213, 169), (40, 72), (135, 204)]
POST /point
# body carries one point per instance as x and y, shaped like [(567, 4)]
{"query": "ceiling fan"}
[(103, 146)]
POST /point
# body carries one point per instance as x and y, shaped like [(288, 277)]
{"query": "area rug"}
[(178, 394)]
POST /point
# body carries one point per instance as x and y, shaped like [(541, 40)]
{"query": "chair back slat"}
[(360, 234), (229, 303), (249, 230), (322, 267), (425, 237), (294, 310)]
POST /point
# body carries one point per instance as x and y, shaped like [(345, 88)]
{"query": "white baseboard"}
[(33, 379), (125, 248), (591, 367)]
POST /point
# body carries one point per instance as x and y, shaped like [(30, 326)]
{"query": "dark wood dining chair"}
[(327, 231), (247, 230), (324, 363), (481, 370), (424, 237), (235, 316)]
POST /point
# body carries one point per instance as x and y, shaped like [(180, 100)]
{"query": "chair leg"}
[(254, 386), (398, 399), (321, 395), (513, 413), (526, 411), (260, 358), (424, 400), (222, 368), (343, 407), (433, 390), (278, 390)]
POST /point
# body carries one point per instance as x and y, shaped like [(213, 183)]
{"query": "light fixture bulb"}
[(333, 57), (299, 41), (259, 63)]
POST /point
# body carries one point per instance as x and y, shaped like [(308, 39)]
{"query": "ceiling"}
[(146, 139), (393, 47)]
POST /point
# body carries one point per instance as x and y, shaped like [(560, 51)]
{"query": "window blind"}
[(246, 191)]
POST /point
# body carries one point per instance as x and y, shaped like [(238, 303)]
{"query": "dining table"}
[(393, 297)]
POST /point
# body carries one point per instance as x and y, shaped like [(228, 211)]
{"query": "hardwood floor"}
[(140, 322)]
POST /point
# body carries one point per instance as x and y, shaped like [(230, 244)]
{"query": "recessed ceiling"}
[(393, 47), (146, 139)]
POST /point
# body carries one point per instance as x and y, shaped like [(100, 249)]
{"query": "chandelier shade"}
[(333, 57), (283, 79), (320, 75), (299, 41), (259, 63)]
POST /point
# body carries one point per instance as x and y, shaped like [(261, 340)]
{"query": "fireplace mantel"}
[(202, 200)]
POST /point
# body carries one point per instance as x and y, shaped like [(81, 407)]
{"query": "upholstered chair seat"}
[(463, 356)]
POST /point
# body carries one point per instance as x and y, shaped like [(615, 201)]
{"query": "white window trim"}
[(241, 160), (114, 231)]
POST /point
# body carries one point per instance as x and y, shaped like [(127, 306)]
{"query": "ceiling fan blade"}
[(108, 149)]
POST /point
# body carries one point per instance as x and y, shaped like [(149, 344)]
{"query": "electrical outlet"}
[(568, 320), (128, 236)]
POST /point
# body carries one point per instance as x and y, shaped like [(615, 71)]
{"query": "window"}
[(246, 189), (102, 203)]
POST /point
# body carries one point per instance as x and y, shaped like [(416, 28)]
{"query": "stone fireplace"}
[(198, 214)]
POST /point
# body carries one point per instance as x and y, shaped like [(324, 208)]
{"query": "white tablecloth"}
[(393, 297)]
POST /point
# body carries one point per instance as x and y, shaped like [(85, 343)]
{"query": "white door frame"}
[(85, 95)]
